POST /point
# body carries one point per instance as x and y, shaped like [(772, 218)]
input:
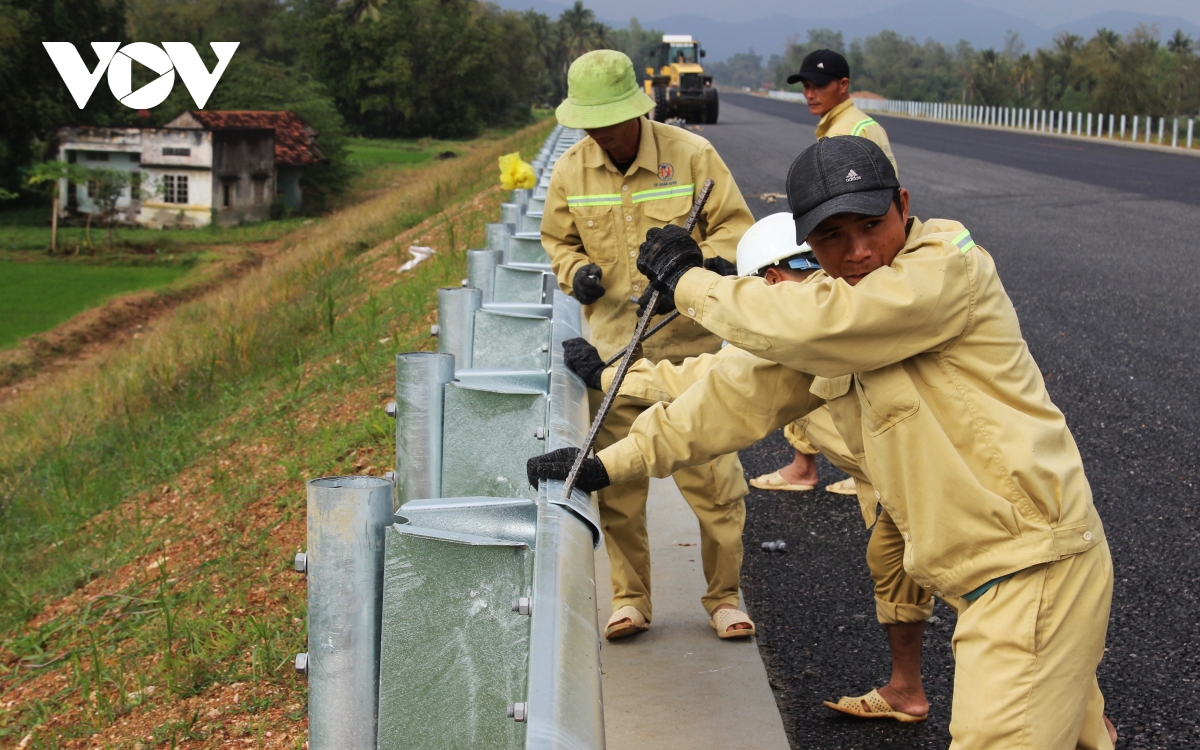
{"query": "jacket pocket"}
[(830, 388), (668, 210), (888, 397), (597, 231)]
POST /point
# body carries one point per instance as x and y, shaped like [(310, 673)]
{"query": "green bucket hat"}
[(602, 91)]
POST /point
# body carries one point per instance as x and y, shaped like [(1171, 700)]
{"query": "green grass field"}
[(35, 297), (374, 152), (28, 229)]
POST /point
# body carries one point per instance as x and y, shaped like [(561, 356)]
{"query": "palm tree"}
[(1180, 43), (1108, 43), (360, 9)]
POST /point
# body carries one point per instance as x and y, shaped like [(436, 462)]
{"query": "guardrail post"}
[(346, 520), (421, 378), (1191, 122), (456, 322), (1175, 134), (481, 271)]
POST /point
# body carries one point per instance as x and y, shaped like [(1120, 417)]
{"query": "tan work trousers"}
[(715, 491), (1025, 655), (898, 598)]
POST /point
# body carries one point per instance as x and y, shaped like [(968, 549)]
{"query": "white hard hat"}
[(769, 241)]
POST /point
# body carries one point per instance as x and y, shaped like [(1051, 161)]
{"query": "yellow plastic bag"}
[(515, 173)]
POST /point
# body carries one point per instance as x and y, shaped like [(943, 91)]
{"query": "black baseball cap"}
[(821, 67), (842, 175)]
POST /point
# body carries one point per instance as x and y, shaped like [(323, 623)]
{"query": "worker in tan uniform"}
[(825, 75), (768, 250), (916, 347), (606, 192)]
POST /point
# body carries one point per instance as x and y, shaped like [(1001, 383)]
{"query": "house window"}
[(92, 189), (135, 186), (227, 194), (96, 155), (175, 188), (260, 190), (135, 158), (169, 151)]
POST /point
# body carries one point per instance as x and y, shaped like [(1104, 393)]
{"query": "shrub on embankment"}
[(150, 501)]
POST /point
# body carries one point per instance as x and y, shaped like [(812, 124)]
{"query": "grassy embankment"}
[(151, 500), (148, 270)]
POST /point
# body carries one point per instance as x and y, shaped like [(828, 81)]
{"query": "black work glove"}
[(720, 266), (583, 360), (666, 303), (586, 284), (666, 255), (557, 465)]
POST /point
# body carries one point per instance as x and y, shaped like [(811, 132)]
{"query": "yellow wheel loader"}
[(680, 87)]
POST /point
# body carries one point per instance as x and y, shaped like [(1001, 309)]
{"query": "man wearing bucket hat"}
[(769, 251), (632, 175), (916, 347)]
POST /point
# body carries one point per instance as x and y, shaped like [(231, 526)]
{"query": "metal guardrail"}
[(1060, 122), (481, 623)]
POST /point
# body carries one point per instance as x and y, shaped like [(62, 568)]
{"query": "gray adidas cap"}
[(842, 175)]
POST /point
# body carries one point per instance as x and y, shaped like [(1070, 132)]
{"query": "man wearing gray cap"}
[(916, 347)]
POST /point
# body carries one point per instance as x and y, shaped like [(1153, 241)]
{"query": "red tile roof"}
[(295, 140)]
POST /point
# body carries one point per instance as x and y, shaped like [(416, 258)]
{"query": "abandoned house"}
[(200, 167)]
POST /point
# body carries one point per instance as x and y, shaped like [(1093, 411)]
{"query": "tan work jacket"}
[(847, 119), (647, 383), (595, 214), (929, 380)]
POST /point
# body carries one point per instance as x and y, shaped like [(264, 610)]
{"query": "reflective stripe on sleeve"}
[(576, 201), (659, 194), (963, 241), (858, 126)]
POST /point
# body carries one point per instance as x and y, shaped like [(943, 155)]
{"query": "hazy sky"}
[(1043, 12)]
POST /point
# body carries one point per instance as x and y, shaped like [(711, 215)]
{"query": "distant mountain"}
[(946, 21)]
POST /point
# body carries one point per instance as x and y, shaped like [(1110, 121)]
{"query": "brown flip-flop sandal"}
[(873, 706), (618, 629)]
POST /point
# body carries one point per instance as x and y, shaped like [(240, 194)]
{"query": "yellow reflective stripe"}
[(963, 241), (858, 127), (612, 199), (659, 194)]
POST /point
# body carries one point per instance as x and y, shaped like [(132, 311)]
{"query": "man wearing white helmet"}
[(768, 250)]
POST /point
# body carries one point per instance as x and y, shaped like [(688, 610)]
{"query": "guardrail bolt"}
[(390, 476), (523, 606), (540, 433), (390, 409), (433, 330), (545, 347), (518, 711), (302, 664), (465, 282), (301, 562)]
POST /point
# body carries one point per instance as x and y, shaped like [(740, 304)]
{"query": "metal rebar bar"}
[(653, 330), (627, 359)]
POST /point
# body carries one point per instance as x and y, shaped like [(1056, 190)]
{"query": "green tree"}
[(36, 103), (52, 173), (106, 187)]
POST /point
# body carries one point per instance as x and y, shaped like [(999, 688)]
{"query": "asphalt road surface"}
[(1097, 246)]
